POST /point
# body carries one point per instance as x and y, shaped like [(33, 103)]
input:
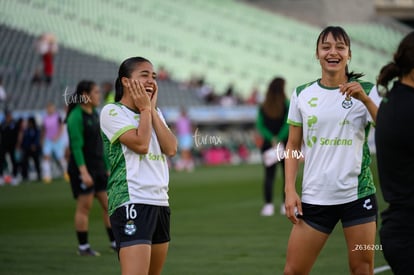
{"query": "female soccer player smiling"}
[(137, 141), (337, 181)]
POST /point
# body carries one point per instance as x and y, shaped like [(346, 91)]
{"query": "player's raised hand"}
[(139, 95), (353, 89), (154, 96)]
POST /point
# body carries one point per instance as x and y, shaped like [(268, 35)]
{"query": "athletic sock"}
[(82, 238), (46, 170), (84, 246), (64, 165)]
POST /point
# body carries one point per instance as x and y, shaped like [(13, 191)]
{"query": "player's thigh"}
[(135, 259), (360, 240), (304, 246), (102, 198), (359, 223), (47, 148), (84, 203), (59, 149), (158, 256)]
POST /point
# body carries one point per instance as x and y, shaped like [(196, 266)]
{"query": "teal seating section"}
[(224, 40)]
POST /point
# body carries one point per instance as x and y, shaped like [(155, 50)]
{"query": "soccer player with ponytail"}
[(331, 118), (138, 142), (394, 138)]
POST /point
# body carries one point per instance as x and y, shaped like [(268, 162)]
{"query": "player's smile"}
[(333, 60), (149, 90)]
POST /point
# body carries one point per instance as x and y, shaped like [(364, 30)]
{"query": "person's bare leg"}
[(360, 240), (304, 246), (83, 207), (102, 198), (158, 257), (135, 260), (46, 169)]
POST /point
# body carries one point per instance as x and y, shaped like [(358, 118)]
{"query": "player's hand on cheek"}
[(138, 94), (154, 96)]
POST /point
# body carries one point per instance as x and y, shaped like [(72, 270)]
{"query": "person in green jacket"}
[(88, 167), (272, 127)]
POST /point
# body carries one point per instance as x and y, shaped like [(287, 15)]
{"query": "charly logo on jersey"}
[(367, 204), (112, 112), (347, 103), (312, 102), (130, 228)]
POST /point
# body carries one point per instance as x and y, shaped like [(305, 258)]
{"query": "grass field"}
[(216, 229)]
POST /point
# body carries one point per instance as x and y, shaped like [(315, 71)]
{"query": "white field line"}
[(381, 269)]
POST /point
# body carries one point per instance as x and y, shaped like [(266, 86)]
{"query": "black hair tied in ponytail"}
[(119, 90), (402, 64)]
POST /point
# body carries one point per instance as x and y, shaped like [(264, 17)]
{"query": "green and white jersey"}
[(335, 133), (134, 178)]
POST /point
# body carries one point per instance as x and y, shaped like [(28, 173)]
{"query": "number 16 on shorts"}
[(130, 214)]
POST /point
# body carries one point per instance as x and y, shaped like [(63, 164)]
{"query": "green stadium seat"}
[(227, 41)]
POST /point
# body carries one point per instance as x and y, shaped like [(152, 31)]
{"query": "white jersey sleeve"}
[(115, 122), (294, 114)]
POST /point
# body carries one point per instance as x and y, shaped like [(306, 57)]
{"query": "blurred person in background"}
[(272, 127), (228, 99), (394, 138), (31, 148), (254, 97), (3, 94), (138, 142), (53, 143), (331, 118), (183, 127), (204, 91), (108, 92), (46, 47), (9, 130), (163, 74), (21, 125), (88, 168)]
